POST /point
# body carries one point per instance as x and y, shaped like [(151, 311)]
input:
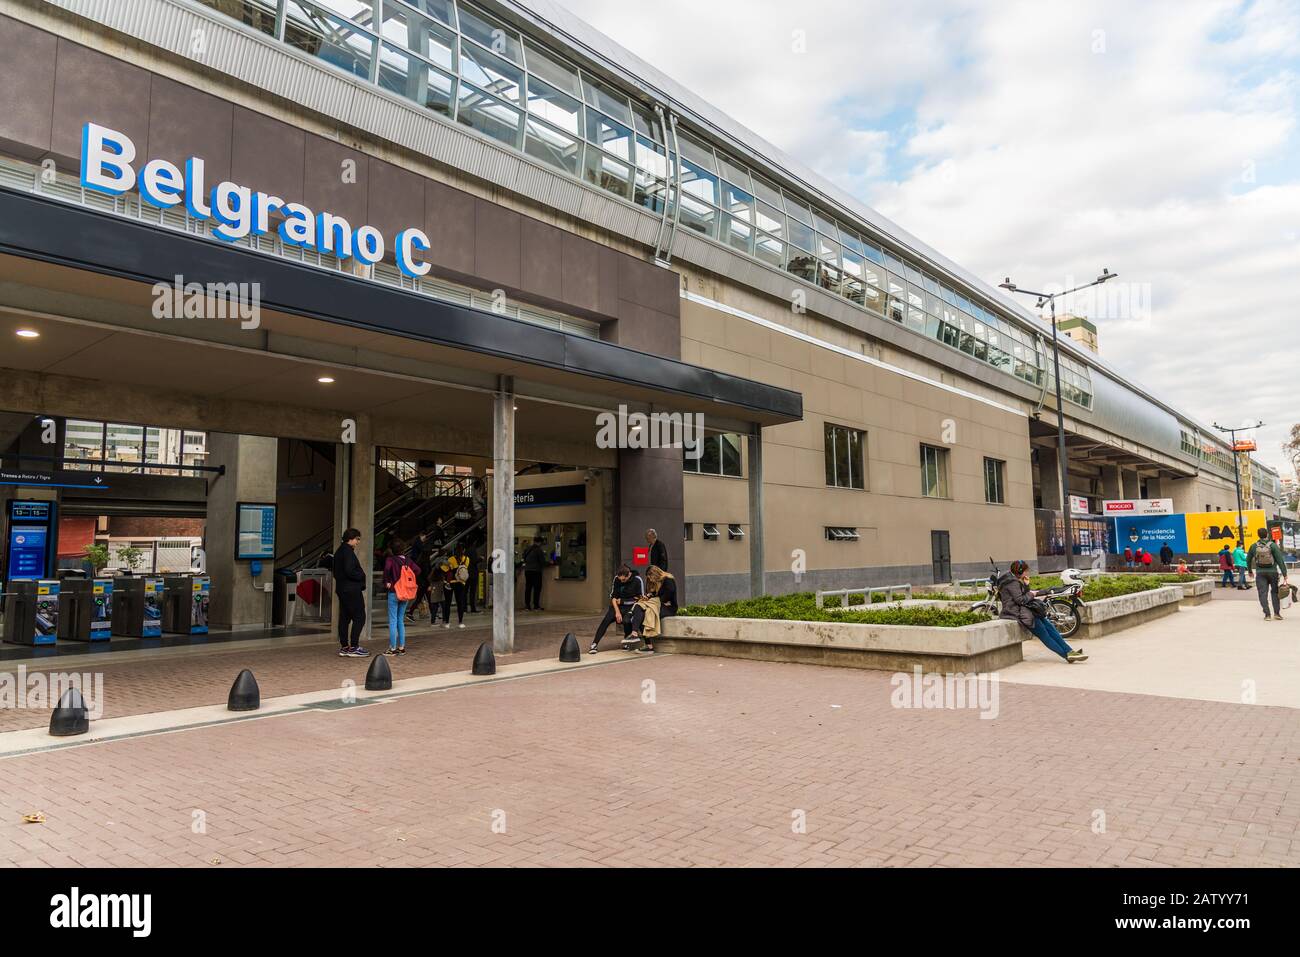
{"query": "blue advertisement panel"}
[(1149, 532)]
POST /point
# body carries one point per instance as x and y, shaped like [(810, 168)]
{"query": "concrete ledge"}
[(1110, 615), (985, 646), (1197, 592)]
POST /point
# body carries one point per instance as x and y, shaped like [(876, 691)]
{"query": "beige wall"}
[(898, 413)]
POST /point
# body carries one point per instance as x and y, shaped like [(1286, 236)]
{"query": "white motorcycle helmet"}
[(1071, 577)]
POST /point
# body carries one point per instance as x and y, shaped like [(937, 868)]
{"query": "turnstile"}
[(32, 612), (185, 604), (284, 599), (137, 606), (74, 608)]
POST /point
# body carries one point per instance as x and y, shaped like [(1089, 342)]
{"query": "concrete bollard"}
[(244, 693), (569, 650), (379, 677), (485, 662), (71, 716)]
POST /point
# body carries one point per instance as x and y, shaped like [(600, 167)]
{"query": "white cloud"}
[(1046, 140)]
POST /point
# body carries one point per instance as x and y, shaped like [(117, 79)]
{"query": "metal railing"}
[(868, 595)]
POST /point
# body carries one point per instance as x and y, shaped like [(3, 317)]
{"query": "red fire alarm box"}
[(640, 556)]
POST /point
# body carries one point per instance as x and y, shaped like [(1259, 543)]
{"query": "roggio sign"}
[(106, 166)]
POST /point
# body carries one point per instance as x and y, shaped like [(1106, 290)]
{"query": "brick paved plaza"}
[(575, 768)]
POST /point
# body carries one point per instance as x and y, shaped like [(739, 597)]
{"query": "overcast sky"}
[(1044, 140)]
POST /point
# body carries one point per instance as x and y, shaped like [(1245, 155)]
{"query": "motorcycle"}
[(1064, 606)]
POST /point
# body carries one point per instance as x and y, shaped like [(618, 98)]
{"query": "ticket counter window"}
[(565, 545)]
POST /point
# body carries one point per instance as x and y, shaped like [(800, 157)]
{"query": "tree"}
[(97, 555)]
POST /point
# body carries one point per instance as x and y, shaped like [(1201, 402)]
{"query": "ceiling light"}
[(28, 334), (325, 379)]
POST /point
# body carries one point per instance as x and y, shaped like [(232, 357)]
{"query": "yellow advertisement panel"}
[(1210, 531)]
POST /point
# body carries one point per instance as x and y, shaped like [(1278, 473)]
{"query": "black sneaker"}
[(345, 652), (402, 650), (391, 652), (593, 649)]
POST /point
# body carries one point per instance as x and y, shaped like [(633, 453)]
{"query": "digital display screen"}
[(27, 552), (255, 536)]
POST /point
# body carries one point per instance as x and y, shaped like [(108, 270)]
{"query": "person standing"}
[(1146, 561), (1269, 564), (1128, 558), (534, 562), (350, 585), (1225, 566), (1239, 562), (401, 582), (623, 594), (1019, 602), (475, 562), (658, 550), (1166, 555), (455, 575)]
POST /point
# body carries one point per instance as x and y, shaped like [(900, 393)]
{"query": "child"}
[(1182, 566)]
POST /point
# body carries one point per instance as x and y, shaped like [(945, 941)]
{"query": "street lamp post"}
[(1236, 472), (1062, 463)]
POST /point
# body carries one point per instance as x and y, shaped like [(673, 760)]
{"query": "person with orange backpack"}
[(402, 582)]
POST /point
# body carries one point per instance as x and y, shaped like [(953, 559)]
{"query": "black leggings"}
[(352, 608), (457, 589), (532, 590)]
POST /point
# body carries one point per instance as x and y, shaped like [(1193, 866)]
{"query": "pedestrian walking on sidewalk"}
[(1239, 562), (1225, 566), (1269, 564)]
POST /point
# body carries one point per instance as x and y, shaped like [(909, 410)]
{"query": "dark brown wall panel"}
[(541, 260), (90, 86), (185, 122), (267, 155), (450, 225), (395, 199), (324, 187), (496, 244), (27, 58)]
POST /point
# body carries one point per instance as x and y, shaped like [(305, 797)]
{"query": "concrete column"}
[(757, 585), (1049, 477), (1112, 486), (503, 516), (250, 460), (651, 495), (1130, 481)]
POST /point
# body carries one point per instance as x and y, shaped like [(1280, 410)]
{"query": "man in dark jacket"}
[(623, 593), (658, 550), (350, 580), (1166, 555), (1268, 563), (1225, 566), (534, 562)]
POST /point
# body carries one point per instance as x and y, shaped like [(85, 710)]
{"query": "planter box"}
[(1109, 615), (1197, 592), (985, 646)]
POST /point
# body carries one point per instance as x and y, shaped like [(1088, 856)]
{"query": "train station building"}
[(270, 269)]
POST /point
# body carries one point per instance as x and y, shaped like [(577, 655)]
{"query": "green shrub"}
[(1105, 586), (802, 606)]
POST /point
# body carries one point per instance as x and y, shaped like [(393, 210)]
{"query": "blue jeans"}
[(396, 621), (1241, 576), (1227, 578), (1046, 633)]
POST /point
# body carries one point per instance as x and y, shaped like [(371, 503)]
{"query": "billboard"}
[(1210, 531), (1150, 532), (1120, 507)]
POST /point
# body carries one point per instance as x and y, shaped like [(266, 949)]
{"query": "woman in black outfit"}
[(350, 585), (659, 602)]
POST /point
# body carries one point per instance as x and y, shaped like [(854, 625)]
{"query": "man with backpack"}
[(1269, 565), (401, 580)]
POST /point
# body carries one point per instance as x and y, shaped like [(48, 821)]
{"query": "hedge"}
[(802, 606)]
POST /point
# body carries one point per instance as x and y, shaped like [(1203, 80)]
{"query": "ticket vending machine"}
[(31, 535)]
